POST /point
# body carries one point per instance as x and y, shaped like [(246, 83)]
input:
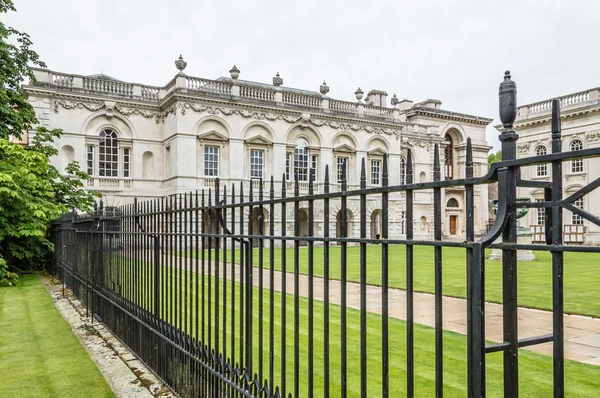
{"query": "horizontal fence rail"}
[(233, 292)]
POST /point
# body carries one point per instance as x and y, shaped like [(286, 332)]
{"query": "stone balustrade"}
[(566, 102), (235, 89)]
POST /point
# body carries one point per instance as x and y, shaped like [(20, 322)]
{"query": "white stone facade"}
[(580, 120), (148, 142)]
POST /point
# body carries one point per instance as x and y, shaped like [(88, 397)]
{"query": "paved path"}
[(582, 333)]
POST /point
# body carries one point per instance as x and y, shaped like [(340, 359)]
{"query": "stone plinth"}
[(524, 238)]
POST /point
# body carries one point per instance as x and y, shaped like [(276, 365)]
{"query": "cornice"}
[(443, 114), (186, 103)]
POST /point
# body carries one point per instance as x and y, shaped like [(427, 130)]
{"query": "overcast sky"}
[(454, 51)]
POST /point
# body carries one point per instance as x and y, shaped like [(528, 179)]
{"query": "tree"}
[(494, 157), (33, 193)]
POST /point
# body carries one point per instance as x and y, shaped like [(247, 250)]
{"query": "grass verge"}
[(39, 355)]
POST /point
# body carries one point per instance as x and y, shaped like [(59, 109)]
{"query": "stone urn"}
[(234, 72)]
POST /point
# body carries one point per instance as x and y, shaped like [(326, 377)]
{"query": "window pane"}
[(211, 161), (342, 164), (301, 162), (256, 163), (90, 160), (576, 218), (126, 162), (108, 154), (375, 167)]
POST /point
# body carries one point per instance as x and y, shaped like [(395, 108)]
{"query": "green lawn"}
[(39, 355), (180, 286), (581, 274)]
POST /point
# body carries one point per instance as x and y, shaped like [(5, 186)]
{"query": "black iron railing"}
[(175, 280)]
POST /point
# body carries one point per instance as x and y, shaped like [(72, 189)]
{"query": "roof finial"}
[(235, 72), (180, 64)]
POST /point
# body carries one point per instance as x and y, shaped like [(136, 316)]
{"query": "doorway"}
[(453, 225)]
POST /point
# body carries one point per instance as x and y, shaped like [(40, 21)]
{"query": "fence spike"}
[(283, 184), (311, 177)]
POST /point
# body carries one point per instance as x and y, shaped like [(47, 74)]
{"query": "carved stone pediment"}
[(376, 152), (212, 136), (344, 148), (258, 140)]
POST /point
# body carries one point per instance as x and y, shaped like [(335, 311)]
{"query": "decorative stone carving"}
[(277, 80), (394, 101), (524, 147), (180, 64), (593, 136), (110, 107), (415, 142)]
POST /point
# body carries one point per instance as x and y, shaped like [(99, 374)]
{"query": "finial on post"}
[(277, 80), (508, 101), (555, 119)]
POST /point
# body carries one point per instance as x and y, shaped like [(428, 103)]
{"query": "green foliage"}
[(494, 157), (33, 193), (16, 59)]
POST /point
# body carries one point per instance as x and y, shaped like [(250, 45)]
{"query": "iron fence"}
[(201, 288)]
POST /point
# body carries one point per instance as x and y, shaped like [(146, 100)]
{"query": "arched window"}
[(301, 159), (542, 169), (402, 170), (452, 203), (449, 158), (108, 151), (576, 164)]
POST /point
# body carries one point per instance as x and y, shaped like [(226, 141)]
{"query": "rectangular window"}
[(109, 161), (126, 162), (211, 161), (577, 166), (342, 169), (314, 164), (541, 214), (301, 163), (403, 222), (256, 163), (375, 172), (542, 170), (90, 159), (576, 219), (288, 165)]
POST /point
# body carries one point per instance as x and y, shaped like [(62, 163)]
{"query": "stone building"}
[(152, 141), (580, 119)]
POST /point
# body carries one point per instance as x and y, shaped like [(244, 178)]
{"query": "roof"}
[(103, 76)]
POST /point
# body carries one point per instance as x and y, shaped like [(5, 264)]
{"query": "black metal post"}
[(508, 138)]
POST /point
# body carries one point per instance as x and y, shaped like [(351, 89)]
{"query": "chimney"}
[(377, 98)]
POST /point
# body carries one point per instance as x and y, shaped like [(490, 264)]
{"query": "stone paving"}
[(582, 333)]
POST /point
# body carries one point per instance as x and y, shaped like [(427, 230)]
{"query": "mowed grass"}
[(178, 286), (534, 279), (39, 354)]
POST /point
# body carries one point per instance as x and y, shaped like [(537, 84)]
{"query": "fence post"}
[(508, 138)]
